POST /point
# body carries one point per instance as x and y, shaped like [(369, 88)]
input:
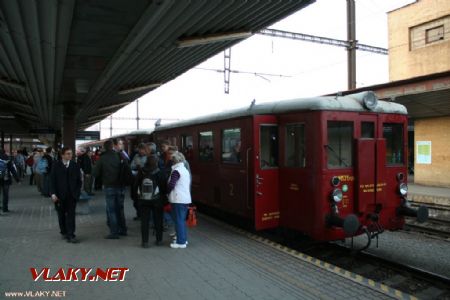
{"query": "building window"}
[(206, 146), (339, 147), (393, 133), (295, 146), (434, 34), (429, 33), (231, 146)]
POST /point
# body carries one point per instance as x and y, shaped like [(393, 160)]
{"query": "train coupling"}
[(405, 209)]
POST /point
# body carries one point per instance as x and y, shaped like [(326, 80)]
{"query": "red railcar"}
[(330, 167)]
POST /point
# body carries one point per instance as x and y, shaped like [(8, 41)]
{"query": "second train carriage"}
[(330, 167)]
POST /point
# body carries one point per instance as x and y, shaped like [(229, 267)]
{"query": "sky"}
[(306, 69)]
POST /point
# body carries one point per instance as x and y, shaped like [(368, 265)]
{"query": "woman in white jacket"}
[(179, 197)]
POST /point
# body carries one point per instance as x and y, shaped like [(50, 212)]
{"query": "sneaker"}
[(174, 240), (175, 246), (123, 233), (112, 237), (173, 234)]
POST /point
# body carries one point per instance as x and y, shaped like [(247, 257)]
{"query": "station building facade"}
[(419, 45)]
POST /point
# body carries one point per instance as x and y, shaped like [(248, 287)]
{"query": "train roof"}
[(352, 102)]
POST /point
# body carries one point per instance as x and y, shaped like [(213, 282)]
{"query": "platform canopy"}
[(424, 96), (88, 58)]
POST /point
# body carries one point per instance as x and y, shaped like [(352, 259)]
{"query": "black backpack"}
[(125, 175)]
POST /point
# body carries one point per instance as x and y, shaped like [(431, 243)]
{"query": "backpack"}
[(148, 190), (3, 168), (42, 165), (125, 175)]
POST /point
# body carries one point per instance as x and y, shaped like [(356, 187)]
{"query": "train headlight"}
[(335, 181), (403, 189), (337, 195), (370, 100)]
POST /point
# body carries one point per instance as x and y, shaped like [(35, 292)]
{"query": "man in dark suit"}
[(65, 187)]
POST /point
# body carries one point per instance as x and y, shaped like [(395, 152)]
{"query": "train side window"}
[(173, 140), (206, 146), (393, 133), (368, 130), (187, 145), (339, 147), (231, 146), (295, 146), (269, 146)]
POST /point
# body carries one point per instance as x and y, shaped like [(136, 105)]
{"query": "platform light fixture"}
[(212, 38), (125, 91)]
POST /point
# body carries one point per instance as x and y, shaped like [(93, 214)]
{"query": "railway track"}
[(437, 225), (408, 279)]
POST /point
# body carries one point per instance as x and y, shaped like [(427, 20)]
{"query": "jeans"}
[(179, 213), (115, 197), (5, 189)]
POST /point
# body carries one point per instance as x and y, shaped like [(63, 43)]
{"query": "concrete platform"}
[(219, 263), (429, 194)]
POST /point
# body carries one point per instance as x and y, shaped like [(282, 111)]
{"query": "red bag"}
[(30, 161), (192, 217), (167, 208)]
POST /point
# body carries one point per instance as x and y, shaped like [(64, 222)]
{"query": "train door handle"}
[(259, 179), (259, 193)]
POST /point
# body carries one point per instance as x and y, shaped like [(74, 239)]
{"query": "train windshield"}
[(393, 133), (339, 147)]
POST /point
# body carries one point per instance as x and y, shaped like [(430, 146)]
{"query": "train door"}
[(370, 165), (267, 213)]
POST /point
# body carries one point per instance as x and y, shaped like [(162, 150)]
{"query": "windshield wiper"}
[(337, 156)]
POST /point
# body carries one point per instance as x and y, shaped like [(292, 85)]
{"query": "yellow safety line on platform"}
[(379, 287)]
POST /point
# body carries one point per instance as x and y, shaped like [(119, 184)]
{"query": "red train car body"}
[(330, 167)]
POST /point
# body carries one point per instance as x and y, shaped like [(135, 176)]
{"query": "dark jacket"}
[(107, 168), (65, 182), (85, 163), (11, 170)]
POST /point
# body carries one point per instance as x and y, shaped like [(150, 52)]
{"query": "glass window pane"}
[(187, 146), (340, 141), (393, 133), (295, 146), (269, 146), (368, 130), (206, 146), (231, 146)]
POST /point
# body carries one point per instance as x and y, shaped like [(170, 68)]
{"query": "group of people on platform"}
[(159, 182)]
